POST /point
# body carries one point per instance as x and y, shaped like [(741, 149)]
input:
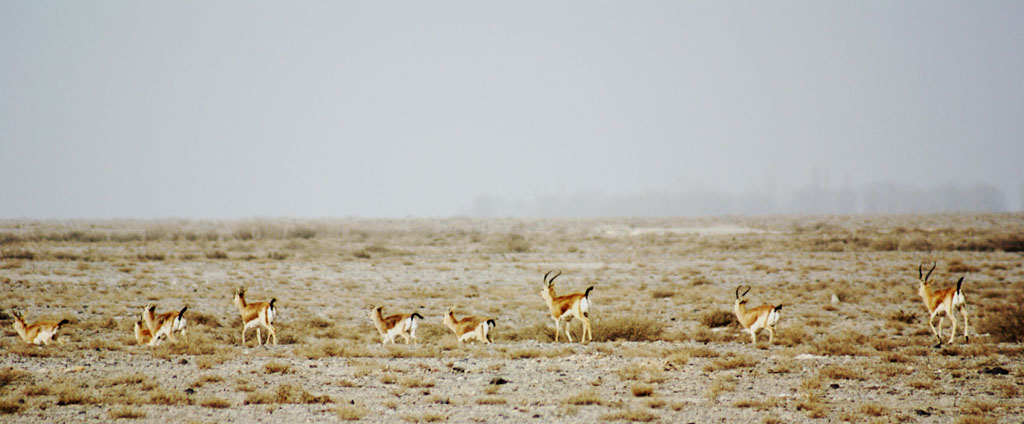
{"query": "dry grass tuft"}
[(631, 328), (586, 397), (1005, 322), (215, 402), (126, 412), (350, 412), (276, 368), (718, 318), (631, 415), (643, 390)]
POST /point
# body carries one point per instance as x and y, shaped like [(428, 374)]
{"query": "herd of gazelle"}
[(153, 327)]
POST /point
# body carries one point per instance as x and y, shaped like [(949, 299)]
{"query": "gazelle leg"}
[(753, 336), (259, 336), (932, 326), (586, 331), (271, 332), (952, 331), (568, 323), (558, 327), (963, 310), (771, 334)]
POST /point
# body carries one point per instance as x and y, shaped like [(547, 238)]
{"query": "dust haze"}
[(235, 110)]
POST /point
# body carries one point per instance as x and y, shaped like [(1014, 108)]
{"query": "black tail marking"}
[(63, 322), (272, 302), (417, 315), (182, 312), (587, 293), (958, 283), (778, 308), (490, 322)]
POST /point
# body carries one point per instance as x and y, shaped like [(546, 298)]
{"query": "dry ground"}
[(665, 346)]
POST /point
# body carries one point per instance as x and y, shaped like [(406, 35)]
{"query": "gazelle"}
[(142, 333), (395, 325), (165, 324), (576, 305), (40, 333), (761, 317), (469, 328), (944, 301), (260, 314)]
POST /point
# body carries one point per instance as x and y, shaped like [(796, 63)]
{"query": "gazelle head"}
[(740, 299), (239, 298), (549, 285), (17, 315)]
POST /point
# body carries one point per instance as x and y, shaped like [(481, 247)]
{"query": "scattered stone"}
[(995, 371), (499, 380), (190, 391), (922, 413), (833, 386), (835, 299)]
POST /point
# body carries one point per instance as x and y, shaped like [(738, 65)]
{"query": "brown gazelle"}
[(260, 314), (576, 305), (142, 334), (761, 317), (944, 301), (469, 328), (40, 333), (395, 325), (165, 324)]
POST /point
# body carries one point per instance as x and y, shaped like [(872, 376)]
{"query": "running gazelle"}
[(945, 301), (470, 327), (259, 314), (395, 325), (40, 333), (764, 316), (165, 324), (576, 305)]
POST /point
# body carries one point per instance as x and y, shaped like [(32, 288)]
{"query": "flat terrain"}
[(666, 346)]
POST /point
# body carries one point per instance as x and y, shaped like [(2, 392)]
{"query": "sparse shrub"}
[(515, 243), (729, 362), (631, 415), (216, 254), (127, 412), (276, 368), (837, 372), (642, 390), (628, 328), (302, 232), (350, 412), (586, 397), (1005, 321), (717, 318), (10, 406), (215, 402)]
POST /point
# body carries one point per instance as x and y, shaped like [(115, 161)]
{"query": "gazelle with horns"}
[(944, 301), (165, 324), (469, 328), (260, 314), (395, 325), (761, 317), (576, 305), (40, 333)]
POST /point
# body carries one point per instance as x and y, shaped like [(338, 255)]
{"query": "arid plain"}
[(666, 348)]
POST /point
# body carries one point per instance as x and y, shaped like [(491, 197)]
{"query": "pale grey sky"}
[(328, 109)]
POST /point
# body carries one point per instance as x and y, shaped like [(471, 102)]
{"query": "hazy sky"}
[(315, 109)]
